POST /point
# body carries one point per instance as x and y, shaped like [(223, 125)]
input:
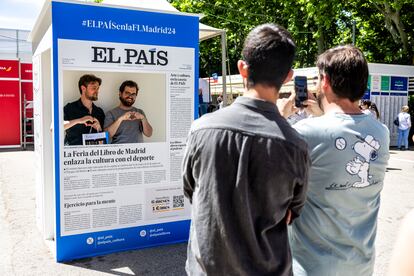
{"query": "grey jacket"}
[(244, 167)]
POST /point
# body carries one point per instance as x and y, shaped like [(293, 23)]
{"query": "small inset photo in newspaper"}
[(99, 138)]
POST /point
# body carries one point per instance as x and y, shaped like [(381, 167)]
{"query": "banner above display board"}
[(111, 196)]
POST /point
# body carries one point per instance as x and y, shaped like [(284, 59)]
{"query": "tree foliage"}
[(384, 29)]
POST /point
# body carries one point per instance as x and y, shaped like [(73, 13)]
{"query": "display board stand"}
[(113, 197)]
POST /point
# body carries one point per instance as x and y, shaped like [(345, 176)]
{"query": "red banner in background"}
[(9, 113), (26, 84), (15, 86), (26, 71), (27, 91), (9, 69)]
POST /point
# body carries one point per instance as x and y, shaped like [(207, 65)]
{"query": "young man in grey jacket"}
[(245, 170)]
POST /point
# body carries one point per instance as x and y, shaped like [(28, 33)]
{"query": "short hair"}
[(268, 51), (367, 103), (347, 70), (405, 108), (128, 83), (375, 108), (87, 79)]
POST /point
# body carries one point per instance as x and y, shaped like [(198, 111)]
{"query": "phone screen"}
[(301, 90)]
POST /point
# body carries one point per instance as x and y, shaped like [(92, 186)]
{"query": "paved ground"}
[(397, 199), (23, 252)]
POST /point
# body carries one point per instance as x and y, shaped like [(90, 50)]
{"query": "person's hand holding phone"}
[(286, 106), (301, 91), (312, 106)]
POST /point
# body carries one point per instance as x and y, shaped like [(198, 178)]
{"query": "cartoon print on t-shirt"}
[(367, 150)]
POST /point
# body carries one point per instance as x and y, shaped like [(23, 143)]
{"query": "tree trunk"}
[(321, 40), (395, 26), (388, 15), (400, 28)]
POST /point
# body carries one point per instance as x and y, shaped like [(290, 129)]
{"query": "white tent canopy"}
[(205, 32)]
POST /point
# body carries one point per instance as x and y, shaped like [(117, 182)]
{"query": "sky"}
[(19, 14)]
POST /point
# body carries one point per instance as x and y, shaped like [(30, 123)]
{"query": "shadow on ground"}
[(28, 148), (164, 260)]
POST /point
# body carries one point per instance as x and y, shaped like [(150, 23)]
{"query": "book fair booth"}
[(94, 199)]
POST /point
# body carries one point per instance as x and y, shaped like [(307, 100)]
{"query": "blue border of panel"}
[(105, 242), (74, 21)]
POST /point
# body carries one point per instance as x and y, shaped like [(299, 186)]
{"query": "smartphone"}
[(283, 95), (301, 90)]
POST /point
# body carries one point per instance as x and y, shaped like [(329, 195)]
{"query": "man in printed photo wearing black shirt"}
[(83, 116), (245, 170)]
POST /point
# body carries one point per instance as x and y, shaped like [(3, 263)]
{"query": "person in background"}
[(404, 120), (203, 93), (366, 107), (374, 111), (245, 170), (219, 102), (299, 115)]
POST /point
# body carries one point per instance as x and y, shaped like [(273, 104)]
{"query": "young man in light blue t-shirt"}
[(335, 233)]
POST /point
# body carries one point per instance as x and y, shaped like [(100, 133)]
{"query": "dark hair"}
[(347, 70), (367, 103), (128, 83), (268, 51), (87, 79), (374, 107)]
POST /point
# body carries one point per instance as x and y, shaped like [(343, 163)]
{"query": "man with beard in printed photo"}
[(126, 123), (83, 116)]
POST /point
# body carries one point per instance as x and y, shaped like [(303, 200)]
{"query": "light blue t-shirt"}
[(335, 233)]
